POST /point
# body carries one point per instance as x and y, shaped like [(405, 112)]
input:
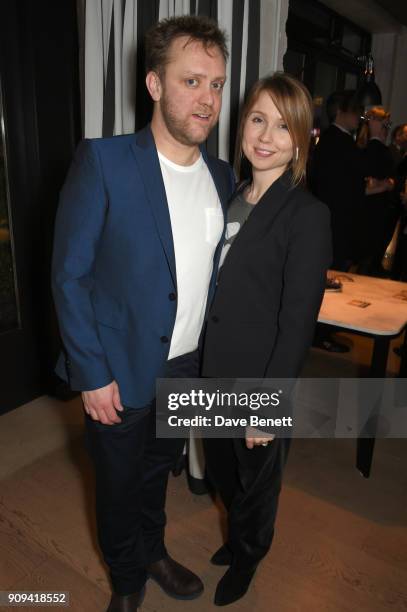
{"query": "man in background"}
[(338, 176)]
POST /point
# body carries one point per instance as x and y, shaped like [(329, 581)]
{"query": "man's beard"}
[(178, 128)]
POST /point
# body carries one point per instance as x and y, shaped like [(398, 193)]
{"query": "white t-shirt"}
[(197, 225)]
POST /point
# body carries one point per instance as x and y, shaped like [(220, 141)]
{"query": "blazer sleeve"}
[(308, 258), (79, 225), (379, 160)]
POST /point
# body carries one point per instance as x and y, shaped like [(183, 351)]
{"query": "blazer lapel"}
[(274, 199), (268, 207), (263, 215), (145, 152)]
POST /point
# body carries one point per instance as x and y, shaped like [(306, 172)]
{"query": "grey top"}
[(238, 213)]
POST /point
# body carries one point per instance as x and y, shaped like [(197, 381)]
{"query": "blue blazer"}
[(113, 271)]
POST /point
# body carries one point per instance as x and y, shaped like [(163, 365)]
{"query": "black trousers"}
[(131, 469), (249, 483)]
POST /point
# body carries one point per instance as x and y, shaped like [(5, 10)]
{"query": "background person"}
[(261, 323), (399, 271), (398, 145), (338, 176), (381, 208)]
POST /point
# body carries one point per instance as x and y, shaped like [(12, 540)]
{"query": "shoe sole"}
[(221, 563), (141, 598), (174, 595), (225, 559)]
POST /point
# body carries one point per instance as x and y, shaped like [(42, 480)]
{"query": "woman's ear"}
[(153, 84)]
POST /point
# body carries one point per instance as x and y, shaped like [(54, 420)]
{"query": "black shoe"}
[(174, 579), (331, 346), (126, 603), (223, 556), (197, 486), (233, 585)]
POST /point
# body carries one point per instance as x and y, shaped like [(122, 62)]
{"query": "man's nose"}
[(207, 96)]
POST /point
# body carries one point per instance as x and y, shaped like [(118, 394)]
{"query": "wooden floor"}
[(340, 545)]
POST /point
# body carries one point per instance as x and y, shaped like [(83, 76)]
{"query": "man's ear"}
[(153, 84)]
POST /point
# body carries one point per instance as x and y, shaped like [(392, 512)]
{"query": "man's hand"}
[(374, 186), (253, 437), (102, 404)]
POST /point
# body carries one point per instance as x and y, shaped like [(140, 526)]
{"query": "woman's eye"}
[(192, 82), (257, 119), (283, 126)]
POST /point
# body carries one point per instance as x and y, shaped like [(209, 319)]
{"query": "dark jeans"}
[(132, 468), (249, 484)]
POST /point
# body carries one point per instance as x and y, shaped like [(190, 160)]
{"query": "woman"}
[(261, 323), (381, 205)]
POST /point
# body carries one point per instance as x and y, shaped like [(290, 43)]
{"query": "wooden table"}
[(372, 307)]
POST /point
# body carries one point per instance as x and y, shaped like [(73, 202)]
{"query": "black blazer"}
[(270, 289), (338, 172)]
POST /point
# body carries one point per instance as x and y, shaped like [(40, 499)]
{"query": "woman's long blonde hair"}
[(294, 102)]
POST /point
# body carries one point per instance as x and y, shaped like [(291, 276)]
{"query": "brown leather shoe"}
[(174, 579), (126, 603)]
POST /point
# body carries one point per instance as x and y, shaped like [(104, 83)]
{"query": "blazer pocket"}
[(108, 311)]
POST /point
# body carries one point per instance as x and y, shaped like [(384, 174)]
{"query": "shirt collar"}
[(341, 128)]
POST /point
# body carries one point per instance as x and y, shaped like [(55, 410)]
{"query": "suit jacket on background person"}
[(338, 173), (114, 277), (270, 288)]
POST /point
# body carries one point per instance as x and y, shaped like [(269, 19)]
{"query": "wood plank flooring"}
[(340, 544)]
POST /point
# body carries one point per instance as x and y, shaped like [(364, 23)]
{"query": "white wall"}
[(390, 54), (383, 50), (398, 96), (273, 38)]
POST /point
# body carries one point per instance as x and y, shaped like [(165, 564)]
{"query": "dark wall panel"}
[(39, 73)]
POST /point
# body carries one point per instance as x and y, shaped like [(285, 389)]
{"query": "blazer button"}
[(215, 319), (172, 296), (164, 339)]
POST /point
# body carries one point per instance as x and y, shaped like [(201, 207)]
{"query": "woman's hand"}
[(255, 437), (378, 186)]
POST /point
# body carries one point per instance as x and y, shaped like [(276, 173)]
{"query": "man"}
[(135, 257), (338, 176)]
